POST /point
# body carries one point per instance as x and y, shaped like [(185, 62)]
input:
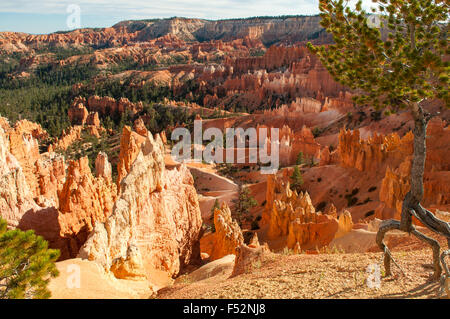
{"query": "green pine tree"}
[(26, 264), (296, 179), (300, 158), (213, 209), (244, 204), (401, 67)]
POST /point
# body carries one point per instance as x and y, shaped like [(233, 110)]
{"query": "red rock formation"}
[(370, 154), (342, 102), (139, 127), (12, 42), (67, 139), (345, 224), (292, 216), (103, 167), (396, 184), (93, 120), (75, 133), (290, 72), (17, 206), (326, 157), (78, 114), (44, 173), (83, 200), (130, 146), (255, 82), (312, 234), (250, 258), (291, 144), (331, 210), (80, 198), (228, 235), (107, 106), (50, 173), (305, 76), (275, 57), (131, 267)]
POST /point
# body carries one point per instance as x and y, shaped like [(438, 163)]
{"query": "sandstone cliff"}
[(16, 198), (157, 211)]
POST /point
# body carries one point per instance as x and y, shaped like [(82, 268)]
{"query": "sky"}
[(46, 16)]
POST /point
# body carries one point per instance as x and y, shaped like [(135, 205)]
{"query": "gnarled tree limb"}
[(393, 224)]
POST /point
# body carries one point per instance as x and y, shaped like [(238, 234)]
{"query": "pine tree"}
[(300, 158), (26, 264), (213, 209), (401, 69), (296, 179), (244, 203)]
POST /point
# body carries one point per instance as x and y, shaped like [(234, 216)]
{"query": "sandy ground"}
[(81, 279), (317, 276), (340, 272), (282, 276)]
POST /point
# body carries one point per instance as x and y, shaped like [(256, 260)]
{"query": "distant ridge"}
[(269, 30)]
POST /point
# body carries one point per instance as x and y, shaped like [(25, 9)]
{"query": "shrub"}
[(26, 264), (296, 179)]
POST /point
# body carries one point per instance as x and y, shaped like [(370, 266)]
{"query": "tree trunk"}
[(411, 203), (415, 195)]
